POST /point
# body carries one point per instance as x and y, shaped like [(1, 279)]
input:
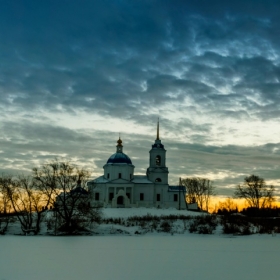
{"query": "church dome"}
[(119, 158)]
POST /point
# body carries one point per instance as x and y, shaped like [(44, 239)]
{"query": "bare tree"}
[(256, 192), (5, 205), (27, 203), (65, 188), (198, 190)]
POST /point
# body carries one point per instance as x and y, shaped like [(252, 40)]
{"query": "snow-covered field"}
[(161, 257), (155, 255)]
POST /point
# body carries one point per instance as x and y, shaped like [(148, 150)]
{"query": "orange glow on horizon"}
[(216, 202)]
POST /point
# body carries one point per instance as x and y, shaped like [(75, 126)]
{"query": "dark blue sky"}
[(73, 74)]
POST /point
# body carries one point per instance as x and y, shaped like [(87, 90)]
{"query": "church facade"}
[(119, 187)]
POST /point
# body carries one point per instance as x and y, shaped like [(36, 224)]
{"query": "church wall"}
[(126, 171), (99, 189), (166, 199), (143, 195), (138, 195), (108, 191), (170, 201), (155, 174)]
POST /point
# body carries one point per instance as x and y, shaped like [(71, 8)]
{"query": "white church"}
[(119, 187)]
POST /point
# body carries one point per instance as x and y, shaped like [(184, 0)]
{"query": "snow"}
[(129, 212), (112, 254), (162, 257), (100, 179)]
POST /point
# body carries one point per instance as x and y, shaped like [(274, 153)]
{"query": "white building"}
[(119, 187)]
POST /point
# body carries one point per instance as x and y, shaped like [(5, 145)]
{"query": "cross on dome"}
[(119, 146)]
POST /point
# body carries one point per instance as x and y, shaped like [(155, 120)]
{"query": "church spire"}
[(158, 130), (157, 171)]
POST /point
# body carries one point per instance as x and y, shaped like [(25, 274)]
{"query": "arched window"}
[(158, 180), (158, 160)]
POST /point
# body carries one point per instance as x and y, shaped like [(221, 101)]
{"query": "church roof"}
[(158, 145), (99, 179), (79, 190), (141, 179), (119, 158)]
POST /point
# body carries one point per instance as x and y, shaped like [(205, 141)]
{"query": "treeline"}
[(258, 195), (59, 186)]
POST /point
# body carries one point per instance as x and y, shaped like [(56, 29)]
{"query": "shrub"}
[(205, 224), (165, 226), (236, 224)]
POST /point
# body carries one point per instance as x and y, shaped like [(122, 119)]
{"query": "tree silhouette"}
[(198, 190), (256, 192)]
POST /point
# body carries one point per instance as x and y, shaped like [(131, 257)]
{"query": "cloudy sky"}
[(75, 74)]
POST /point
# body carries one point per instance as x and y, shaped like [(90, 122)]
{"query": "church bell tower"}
[(157, 171)]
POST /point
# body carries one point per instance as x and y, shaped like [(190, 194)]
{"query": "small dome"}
[(119, 142), (119, 158)]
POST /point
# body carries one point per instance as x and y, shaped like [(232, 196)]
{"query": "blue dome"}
[(119, 158)]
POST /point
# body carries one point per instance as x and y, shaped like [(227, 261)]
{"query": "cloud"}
[(210, 71), (29, 145)]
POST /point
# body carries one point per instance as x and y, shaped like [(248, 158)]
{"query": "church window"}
[(120, 175), (128, 195), (97, 196), (130, 176), (158, 160), (158, 196), (141, 196), (158, 180), (175, 197), (111, 196), (108, 175)]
